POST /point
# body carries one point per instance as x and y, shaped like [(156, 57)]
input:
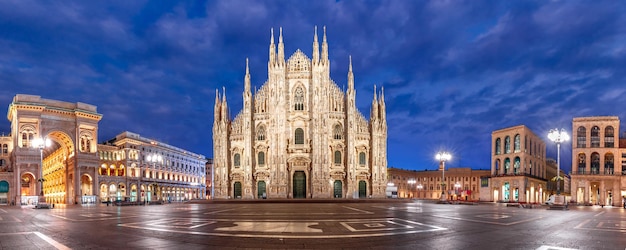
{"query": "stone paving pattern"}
[(329, 224)]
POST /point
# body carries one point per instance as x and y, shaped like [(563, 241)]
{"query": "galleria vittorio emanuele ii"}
[(300, 135)]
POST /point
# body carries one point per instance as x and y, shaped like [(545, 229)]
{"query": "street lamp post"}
[(411, 182), (41, 143), (558, 137), (442, 157)]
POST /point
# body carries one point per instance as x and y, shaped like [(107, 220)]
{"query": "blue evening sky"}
[(453, 71)]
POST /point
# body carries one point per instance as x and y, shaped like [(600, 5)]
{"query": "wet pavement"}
[(330, 224)]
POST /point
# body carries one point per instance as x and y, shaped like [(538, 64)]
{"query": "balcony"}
[(608, 172), (299, 148)]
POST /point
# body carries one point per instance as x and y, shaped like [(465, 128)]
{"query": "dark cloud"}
[(452, 71)]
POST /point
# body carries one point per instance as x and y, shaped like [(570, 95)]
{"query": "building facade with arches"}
[(598, 161), (518, 166), (299, 135), (138, 169), (76, 169), (65, 160)]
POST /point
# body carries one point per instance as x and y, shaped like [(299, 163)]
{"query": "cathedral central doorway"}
[(299, 185)]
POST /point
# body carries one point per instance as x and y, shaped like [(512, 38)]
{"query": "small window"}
[(260, 134), (299, 99), (299, 136), (362, 158), (337, 132), (237, 160), (337, 157), (261, 160)]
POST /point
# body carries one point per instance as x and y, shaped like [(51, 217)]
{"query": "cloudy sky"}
[(453, 71)]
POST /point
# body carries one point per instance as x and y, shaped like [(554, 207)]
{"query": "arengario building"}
[(299, 135), (75, 169)]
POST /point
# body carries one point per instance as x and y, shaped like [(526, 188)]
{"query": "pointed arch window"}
[(261, 158), (337, 157), (299, 136), (362, 158), (581, 137), (338, 132), (507, 145), (517, 144), (498, 146), (299, 98), (237, 160), (260, 134), (595, 137), (609, 140)]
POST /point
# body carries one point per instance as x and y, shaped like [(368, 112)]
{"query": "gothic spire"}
[(224, 105), (217, 108), (316, 49), (247, 79), (324, 48), (383, 111), (374, 115), (281, 47), (350, 76), (272, 48)]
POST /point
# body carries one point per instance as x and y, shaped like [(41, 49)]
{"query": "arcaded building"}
[(518, 166), (300, 135), (598, 161), (75, 169), (460, 183), (136, 168)]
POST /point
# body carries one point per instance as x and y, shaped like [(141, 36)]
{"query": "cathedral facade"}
[(299, 135)]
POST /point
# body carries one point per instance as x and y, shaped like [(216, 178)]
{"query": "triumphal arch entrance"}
[(54, 150)]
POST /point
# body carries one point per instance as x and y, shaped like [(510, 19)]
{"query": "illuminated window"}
[(507, 165), (581, 135), (507, 145), (498, 149), (595, 137), (609, 141), (517, 143)]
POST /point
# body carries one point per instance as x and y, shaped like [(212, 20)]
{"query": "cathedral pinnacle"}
[(316, 52), (247, 78), (350, 76), (272, 47), (281, 47), (324, 48)]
